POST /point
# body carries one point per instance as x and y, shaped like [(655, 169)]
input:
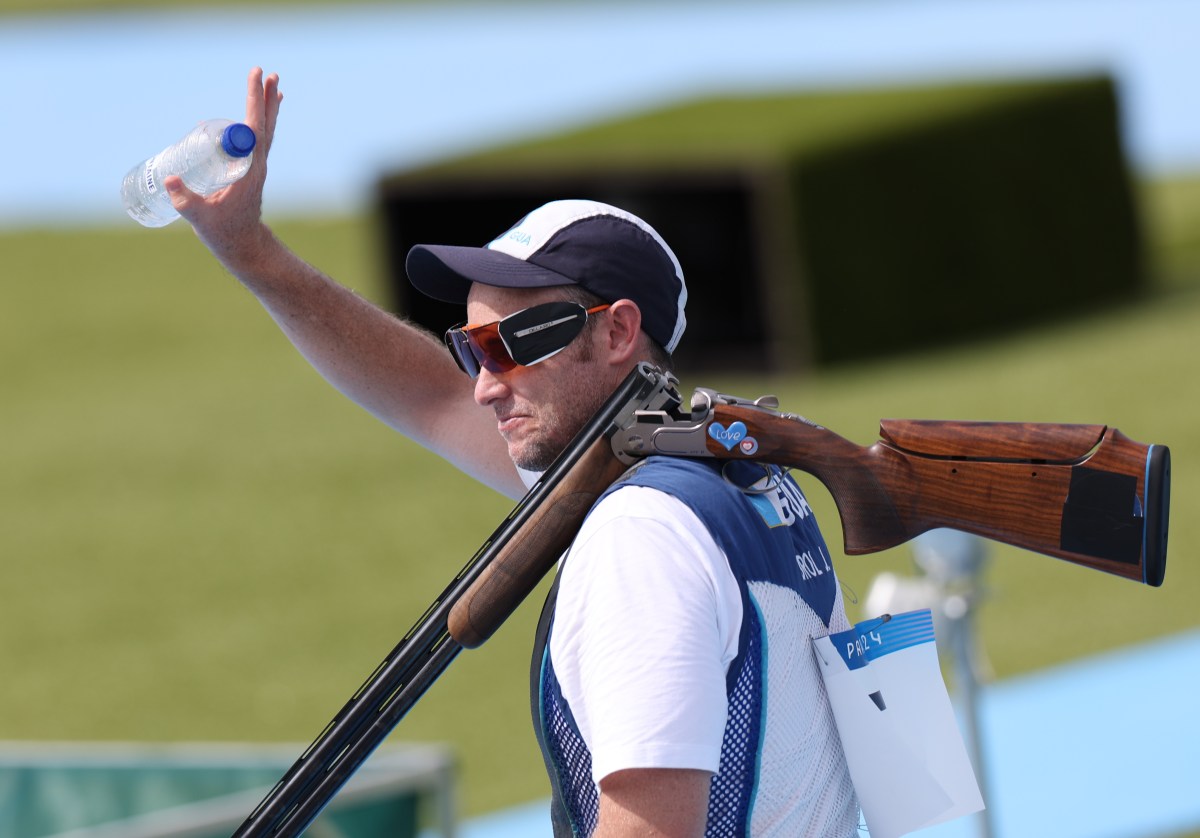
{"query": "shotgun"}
[(1084, 493)]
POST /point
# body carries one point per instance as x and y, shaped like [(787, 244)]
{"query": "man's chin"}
[(531, 457)]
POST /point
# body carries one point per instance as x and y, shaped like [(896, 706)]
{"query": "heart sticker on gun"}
[(730, 436)]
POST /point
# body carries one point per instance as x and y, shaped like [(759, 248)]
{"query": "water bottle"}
[(213, 155)]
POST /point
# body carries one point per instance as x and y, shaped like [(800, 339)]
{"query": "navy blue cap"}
[(238, 140), (602, 249)]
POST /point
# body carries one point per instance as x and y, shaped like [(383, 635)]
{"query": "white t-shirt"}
[(643, 560)]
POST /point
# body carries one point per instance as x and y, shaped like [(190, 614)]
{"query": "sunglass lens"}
[(478, 347), (460, 347), (489, 350)]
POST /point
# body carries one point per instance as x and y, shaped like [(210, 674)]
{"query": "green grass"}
[(202, 541), (1171, 209)]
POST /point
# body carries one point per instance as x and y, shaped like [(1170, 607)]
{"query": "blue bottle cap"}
[(238, 140)]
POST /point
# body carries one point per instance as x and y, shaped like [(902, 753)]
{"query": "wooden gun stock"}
[(1084, 493)]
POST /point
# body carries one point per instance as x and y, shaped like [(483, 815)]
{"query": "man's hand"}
[(229, 221), (667, 802)]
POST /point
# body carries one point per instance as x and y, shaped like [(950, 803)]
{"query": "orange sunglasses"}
[(524, 338)]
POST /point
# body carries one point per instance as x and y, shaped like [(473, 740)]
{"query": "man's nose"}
[(489, 387)]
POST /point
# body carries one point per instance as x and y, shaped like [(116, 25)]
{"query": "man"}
[(659, 709)]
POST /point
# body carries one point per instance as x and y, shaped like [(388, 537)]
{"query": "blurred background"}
[(912, 209)]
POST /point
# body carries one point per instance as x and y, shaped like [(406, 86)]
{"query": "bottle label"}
[(151, 186)]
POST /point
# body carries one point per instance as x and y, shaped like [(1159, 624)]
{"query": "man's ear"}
[(624, 329)]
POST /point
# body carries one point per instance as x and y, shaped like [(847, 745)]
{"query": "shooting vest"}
[(780, 753)]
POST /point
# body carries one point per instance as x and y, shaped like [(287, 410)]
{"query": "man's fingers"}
[(181, 196), (274, 98), (254, 99), (262, 107)]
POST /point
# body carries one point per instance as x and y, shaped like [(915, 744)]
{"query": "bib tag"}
[(894, 717)]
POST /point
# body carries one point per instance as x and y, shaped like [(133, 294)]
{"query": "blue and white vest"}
[(789, 594)]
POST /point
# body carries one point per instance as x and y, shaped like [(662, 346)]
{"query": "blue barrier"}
[(1102, 747)]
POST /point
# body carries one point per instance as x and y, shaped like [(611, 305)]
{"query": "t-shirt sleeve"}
[(646, 624)]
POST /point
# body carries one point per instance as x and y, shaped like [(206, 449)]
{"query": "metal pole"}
[(953, 562)]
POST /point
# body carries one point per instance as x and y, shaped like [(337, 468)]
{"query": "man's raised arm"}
[(397, 371)]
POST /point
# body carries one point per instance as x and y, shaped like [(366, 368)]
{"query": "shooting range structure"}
[(203, 790), (829, 226)]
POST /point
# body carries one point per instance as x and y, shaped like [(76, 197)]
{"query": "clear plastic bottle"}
[(213, 155)]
